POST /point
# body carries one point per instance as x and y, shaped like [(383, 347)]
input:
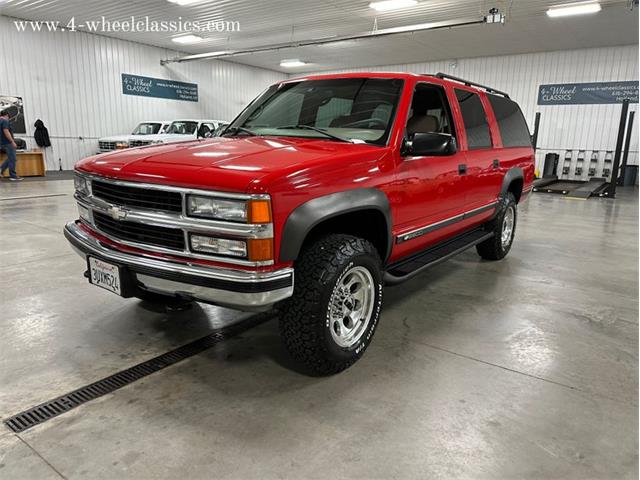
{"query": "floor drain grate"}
[(52, 408)]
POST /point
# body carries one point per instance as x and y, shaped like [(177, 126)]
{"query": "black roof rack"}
[(470, 84)]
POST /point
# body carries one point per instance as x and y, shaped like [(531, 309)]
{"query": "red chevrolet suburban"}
[(320, 192)]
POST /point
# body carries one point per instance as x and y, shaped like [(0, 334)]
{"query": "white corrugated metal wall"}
[(72, 81), (584, 127)]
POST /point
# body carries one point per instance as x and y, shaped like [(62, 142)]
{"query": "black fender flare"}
[(306, 216), (515, 173)]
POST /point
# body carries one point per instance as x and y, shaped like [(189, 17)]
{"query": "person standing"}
[(8, 145)]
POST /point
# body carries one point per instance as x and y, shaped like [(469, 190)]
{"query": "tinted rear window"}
[(513, 127), (474, 119)]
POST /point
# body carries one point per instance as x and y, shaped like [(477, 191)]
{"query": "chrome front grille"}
[(139, 143), (159, 200), (106, 146), (152, 217), (171, 238)]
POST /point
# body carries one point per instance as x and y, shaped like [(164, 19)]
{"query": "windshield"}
[(183, 128), (147, 129), (353, 109)]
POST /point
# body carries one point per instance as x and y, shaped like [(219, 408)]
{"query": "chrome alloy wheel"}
[(351, 306), (508, 222)]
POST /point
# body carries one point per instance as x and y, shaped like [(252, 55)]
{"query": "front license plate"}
[(105, 275)]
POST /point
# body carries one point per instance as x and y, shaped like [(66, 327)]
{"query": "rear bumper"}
[(238, 289)]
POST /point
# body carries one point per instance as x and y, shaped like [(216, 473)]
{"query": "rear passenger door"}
[(482, 163)]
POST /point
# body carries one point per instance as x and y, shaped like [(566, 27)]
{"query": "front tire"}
[(330, 320), (504, 230)]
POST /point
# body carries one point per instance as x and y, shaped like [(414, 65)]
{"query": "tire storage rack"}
[(605, 185)]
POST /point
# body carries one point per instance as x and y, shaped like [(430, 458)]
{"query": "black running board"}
[(406, 269)]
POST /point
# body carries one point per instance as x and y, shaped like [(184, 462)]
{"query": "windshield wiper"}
[(235, 130), (315, 129)]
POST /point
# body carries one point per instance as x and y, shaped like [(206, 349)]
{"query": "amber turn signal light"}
[(260, 249), (259, 211)]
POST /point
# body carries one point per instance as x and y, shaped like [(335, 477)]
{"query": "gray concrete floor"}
[(526, 368)]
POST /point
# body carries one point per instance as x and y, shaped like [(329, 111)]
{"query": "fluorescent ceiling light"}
[(574, 9), (387, 5), (293, 63), (184, 2), (333, 40), (409, 28), (187, 39)]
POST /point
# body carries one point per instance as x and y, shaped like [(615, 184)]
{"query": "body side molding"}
[(444, 223)]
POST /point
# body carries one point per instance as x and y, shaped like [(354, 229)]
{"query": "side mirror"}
[(431, 144)]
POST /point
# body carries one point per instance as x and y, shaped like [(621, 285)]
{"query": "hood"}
[(115, 138), (227, 164)]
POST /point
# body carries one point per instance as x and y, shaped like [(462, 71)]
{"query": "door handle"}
[(496, 163), (462, 169)]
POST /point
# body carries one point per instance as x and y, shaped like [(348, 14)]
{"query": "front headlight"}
[(82, 185), (121, 145), (217, 208)]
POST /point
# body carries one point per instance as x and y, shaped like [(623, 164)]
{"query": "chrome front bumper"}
[(234, 288)]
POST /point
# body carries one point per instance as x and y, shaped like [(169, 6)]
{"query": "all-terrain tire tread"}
[(491, 249), (303, 315)]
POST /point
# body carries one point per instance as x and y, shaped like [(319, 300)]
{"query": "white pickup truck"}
[(144, 129), (178, 131)]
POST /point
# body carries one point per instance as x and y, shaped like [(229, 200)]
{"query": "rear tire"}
[(330, 320), (504, 229)]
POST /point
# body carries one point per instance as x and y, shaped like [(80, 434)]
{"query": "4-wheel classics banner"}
[(588, 93), (159, 88)]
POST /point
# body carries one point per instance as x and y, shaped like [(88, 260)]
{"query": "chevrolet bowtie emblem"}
[(117, 213)]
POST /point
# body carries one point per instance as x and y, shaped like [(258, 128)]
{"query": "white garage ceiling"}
[(527, 29)]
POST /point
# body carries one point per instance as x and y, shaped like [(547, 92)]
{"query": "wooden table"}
[(28, 164)]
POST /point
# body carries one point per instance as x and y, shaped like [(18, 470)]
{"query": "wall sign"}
[(16, 113), (587, 93), (159, 88)]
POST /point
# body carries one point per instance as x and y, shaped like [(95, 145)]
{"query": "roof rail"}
[(470, 84)]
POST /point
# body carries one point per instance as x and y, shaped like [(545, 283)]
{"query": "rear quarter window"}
[(474, 119), (511, 123)]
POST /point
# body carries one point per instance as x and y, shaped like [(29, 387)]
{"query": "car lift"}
[(593, 163), (594, 186), (550, 183)]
